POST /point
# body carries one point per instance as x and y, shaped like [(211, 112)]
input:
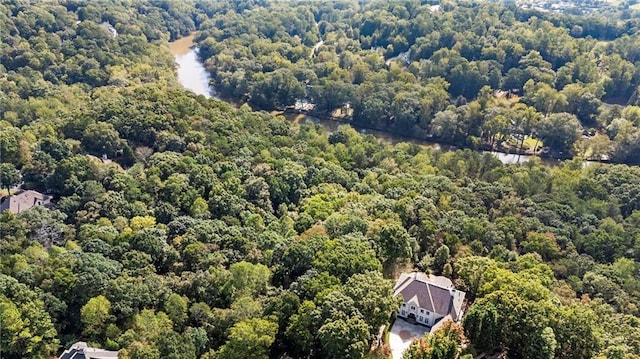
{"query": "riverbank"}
[(507, 157), (332, 125), (193, 76)]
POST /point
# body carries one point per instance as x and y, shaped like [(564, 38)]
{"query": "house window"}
[(421, 310), (404, 304), (422, 319), (404, 313), (413, 308)]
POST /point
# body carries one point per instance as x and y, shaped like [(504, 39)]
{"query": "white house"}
[(428, 299)]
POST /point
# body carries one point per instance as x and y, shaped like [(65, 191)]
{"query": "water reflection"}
[(191, 73)]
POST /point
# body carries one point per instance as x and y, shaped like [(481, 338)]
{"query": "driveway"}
[(402, 334)]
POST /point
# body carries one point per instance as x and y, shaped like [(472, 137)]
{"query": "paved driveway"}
[(402, 334)]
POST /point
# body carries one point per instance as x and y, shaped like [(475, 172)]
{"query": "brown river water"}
[(191, 73)]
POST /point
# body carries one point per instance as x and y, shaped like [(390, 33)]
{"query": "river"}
[(193, 76), (191, 73), (331, 126)]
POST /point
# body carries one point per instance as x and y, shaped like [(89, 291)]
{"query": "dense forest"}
[(184, 228), (472, 74)]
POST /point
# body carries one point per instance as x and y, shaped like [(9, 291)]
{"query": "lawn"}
[(529, 143)]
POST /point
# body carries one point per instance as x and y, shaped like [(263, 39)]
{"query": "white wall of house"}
[(422, 315)]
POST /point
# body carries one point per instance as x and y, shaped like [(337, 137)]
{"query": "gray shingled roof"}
[(80, 350), (434, 294), (427, 296)]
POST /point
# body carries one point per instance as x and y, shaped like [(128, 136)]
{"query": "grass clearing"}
[(530, 142)]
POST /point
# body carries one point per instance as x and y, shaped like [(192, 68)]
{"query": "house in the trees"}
[(110, 29), (427, 299), (17, 203), (80, 350)]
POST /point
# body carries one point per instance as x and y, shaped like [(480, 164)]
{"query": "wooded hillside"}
[(217, 232)]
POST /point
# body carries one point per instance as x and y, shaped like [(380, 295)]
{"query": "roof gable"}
[(80, 350), (23, 201), (430, 293)]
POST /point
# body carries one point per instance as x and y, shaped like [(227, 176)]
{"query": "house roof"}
[(23, 201), (80, 350), (435, 294)]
